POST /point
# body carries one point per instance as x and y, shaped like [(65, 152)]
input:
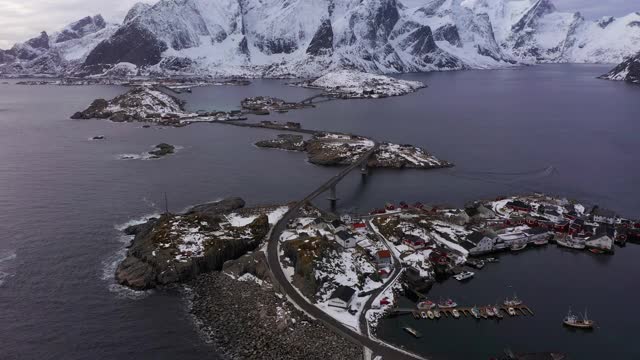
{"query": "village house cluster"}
[(433, 243)]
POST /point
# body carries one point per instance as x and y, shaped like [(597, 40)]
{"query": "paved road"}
[(273, 260), (393, 277)]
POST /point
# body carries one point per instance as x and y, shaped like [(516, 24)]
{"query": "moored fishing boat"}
[(456, 313), (437, 314), (490, 312), (573, 321), (423, 314), (430, 315), (497, 312), (475, 312), (447, 304), (571, 243), (465, 275), (541, 242), (483, 313), (426, 305), (518, 246), (511, 311), (514, 301)]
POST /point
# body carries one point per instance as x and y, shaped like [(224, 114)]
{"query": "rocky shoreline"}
[(247, 319), (177, 248)]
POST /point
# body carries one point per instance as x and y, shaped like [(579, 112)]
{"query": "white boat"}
[(437, 314), (490, 312), (475, 312), (511, 311), (496, 311), (426, 305), (447, 304), (423, 315), (513, 301), (430, 315), (571, 243), (464, 275), (412, 331), (456, 313), (572, 320), (541, 242), (518, 246)]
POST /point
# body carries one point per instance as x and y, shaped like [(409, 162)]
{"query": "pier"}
[(465, 312)]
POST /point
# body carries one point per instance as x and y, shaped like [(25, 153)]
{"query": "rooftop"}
[(343, 293)]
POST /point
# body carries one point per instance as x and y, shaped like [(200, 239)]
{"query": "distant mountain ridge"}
[(302, 38)]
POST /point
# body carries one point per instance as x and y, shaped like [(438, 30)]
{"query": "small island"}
[(352, 84), (333, 149), (147, 104)]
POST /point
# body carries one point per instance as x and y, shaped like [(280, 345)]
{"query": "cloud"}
[(23, 19)]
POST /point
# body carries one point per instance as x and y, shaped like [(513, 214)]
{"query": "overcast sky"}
[(22, 19)]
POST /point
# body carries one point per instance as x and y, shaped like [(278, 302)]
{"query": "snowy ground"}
[(356, 84)]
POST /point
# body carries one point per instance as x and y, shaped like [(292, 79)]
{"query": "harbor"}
[(468, 312)]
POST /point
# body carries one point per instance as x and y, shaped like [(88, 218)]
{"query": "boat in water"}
[(571, 243), (518, 246), (430, 315), (511, 311), (465, 275), (573, 321), (490, 312), (437, 314), (483, 313), (426, 305), (514, 301), (456, 313), (475, 312), (412, 331), (497, 312), (491, 260), (541, 242), (478, 264), (423, 315), (447, 304)]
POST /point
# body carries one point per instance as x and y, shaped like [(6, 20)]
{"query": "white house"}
[(338, 226), (345, 239), (342, 297), (483, 243), (601, 215)]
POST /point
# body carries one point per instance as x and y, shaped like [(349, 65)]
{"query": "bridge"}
[(281, 281), (309, 100)]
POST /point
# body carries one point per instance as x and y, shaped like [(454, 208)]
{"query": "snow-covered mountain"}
[(58, 52), (628, 70), (270, 38)]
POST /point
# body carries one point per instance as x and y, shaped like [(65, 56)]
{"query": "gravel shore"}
[(248, 320)]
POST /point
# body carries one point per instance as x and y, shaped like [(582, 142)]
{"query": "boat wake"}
[(511, 179)]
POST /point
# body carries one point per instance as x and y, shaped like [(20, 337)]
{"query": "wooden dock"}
[(465, 312)]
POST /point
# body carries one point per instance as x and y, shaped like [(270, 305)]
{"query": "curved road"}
[(273, 260)]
